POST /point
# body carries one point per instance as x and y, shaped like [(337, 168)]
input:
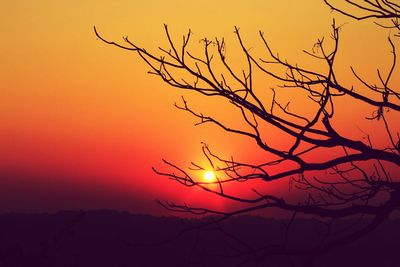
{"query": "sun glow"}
[(209, 176)]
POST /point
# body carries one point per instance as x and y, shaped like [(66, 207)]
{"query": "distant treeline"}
[(111, 238)]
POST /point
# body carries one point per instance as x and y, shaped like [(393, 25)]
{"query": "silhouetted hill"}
[(110, 238)]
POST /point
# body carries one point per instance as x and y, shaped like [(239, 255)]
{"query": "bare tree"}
[(359, 179)]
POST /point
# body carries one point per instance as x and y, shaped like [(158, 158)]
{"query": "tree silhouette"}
[(358, 179)]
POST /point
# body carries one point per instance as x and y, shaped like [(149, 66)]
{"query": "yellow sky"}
[(68, 100)]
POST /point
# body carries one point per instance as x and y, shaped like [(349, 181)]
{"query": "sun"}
[(209, 176)]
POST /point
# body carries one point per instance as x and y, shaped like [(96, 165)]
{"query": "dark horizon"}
[(110, 238)]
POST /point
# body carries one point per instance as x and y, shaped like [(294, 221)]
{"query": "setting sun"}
[(209, 176)]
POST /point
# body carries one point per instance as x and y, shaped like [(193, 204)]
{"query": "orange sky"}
[(82, 123)]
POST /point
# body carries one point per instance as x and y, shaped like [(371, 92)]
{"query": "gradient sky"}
[(82, 123)]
